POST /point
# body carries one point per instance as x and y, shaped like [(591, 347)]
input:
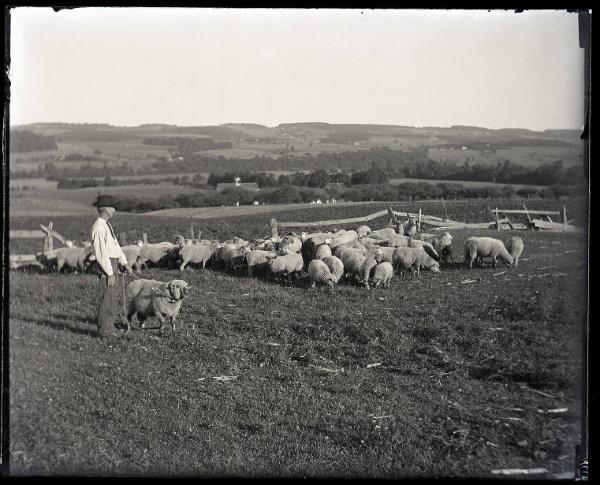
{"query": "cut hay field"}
[(454, 374)]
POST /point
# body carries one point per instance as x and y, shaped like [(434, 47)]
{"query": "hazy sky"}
[(128, 66)]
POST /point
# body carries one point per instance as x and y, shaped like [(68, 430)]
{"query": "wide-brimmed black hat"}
[(105, 200)]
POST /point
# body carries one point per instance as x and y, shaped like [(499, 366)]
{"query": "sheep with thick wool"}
[(486, 247), (159, 254), (425, 246), (363, 231), (382, 274), (290, 244), (367, 269), (132, 253), (344, 238), (323, 251), (413, 259), (319, 273), (196, 254), (515, 246), (287, 264), (336, 267), (74, 258), (258, 259), (441, 243)]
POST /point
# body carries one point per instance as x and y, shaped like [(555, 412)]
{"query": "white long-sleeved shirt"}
[(105, 246)]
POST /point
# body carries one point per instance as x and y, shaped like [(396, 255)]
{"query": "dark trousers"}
[(107, 302)]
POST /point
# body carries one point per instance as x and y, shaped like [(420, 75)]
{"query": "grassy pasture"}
[(433, 377), (456, 392), (465, 183)]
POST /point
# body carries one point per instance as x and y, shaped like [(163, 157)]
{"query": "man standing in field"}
[(108, 254)]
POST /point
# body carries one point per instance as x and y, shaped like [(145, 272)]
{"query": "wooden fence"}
[(438, 223), (47, 234)]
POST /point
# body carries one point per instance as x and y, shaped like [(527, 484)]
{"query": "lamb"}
[(353, 262), (515, 248), (159, 254), (425, 246), (287, 264), (336, 267), (413, 259), (483, 247), (323, 251), (258, 259), (151, 298), (196, 254), (363, 231), (382, 274), (319, 272)]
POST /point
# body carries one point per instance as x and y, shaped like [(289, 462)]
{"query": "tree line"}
[(28, 141)]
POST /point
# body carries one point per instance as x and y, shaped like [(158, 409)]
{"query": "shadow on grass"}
[(81, 325)]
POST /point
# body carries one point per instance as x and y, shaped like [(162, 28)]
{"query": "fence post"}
[(445, 211), (192, 230), (419, 221), (145, 238), (49, 241), (564, 211), (122, 239), (274, 232)]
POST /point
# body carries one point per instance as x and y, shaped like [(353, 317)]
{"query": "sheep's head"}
[(178, 289), (435, 267), (328, 240), (69, 244), (140, 243)]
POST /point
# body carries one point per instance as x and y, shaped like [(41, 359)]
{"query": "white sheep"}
[(367, 268), (323, 251), (484, 247), (291, 244), (311, 242), (425, 246), (288, 264), (159, 254), (73, 257), (343, 238), (363, 231), (410, 228), (196, 254), (258, 259), (515, 248), (382, 274), (413, 259), (319, 272), (384, 233), (441, 243), (233, 255), (132, 253), (336, 267), (353, 262)]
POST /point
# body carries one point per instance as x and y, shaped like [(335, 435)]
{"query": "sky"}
[(184, 66)]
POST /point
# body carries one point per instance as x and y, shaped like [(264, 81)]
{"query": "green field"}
[(452, 374)]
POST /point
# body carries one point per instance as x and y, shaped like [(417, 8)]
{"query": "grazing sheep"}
[(515, 248), (290, 244), (367, 268), (288, 264), (233, 256), (151, 298), (336, 267), (382, 274), (132, 253), (441, 244), (319, 272), (258, 259), (384, 233), (323, 251), (163, 254), (311, 242), (343, 238), (196, 254), (413, 259), (340, 251), (483, 247), (363, 231), (353, 262), (74, 258), (386, 253), (425, 246)]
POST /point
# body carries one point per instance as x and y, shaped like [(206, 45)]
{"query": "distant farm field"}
[(465, 183), (453, 374)]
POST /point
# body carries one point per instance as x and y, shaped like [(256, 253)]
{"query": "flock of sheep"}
[(362, 256)]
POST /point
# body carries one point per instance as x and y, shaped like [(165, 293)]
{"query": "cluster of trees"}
[(187, 145), (366, 192), (108, 181), (28, 141)]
